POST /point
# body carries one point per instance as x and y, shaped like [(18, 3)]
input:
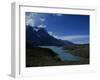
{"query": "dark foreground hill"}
[(36, 56)]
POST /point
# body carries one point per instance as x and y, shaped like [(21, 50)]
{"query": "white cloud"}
[(70, 38), (42, 26), (52, 34), (30, 19), (30, 22), (74, 37), (42, 19), (78, 39), (56, 36)]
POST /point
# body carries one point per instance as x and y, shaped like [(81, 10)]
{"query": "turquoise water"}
[(62, 54)]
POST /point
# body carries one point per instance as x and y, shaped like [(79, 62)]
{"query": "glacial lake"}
[(63, 54)]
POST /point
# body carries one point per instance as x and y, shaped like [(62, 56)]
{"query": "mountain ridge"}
[(38, 36)]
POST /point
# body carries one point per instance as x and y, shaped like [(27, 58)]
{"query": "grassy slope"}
[(41, 57), (79, 50), (45, 57)]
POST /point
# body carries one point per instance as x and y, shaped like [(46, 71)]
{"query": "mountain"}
[(38, 36)]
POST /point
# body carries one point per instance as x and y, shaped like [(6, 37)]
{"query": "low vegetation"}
[(79, 50), (36, 56)]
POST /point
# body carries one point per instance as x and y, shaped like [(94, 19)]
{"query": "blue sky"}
[(70, 27)]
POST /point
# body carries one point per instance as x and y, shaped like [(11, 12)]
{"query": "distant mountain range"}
[(38, 36)]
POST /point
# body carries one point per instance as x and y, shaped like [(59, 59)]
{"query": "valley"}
[(53, 56)]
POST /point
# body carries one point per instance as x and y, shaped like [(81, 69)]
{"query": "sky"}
[(74, 28)]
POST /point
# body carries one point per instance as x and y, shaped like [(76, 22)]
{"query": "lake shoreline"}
[(37, 57)]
